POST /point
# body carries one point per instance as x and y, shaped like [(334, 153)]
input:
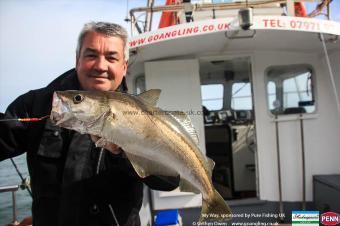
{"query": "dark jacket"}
[(73, 183)]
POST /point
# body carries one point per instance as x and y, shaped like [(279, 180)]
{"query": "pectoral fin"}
[(145, 167)]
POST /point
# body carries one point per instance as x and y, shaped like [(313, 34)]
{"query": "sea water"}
[(9, 176)]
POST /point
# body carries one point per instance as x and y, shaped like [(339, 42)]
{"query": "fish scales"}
[(165, 125)]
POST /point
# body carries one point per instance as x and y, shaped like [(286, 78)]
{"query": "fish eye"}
[(78, 99)]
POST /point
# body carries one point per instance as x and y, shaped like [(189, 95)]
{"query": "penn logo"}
[(330, 218)]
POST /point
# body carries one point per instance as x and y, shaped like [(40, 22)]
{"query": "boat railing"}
[(189, 7), (13, 189)]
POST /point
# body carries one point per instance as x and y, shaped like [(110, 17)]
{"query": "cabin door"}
[(179, 81), (227, 98)]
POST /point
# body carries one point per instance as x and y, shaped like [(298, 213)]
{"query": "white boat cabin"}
[(264, 101)]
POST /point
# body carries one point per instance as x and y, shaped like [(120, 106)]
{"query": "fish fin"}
[(215, 209), (145, 167), (151, 96), (186, 123), (186, 186), (211, 165)]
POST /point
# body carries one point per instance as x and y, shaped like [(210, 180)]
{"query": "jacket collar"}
[(66, 81)]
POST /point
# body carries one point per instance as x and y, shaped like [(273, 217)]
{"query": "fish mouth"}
[(60, 119), (68, 121), (55, 117)]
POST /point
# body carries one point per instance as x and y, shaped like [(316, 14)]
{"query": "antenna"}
[(127, 18)]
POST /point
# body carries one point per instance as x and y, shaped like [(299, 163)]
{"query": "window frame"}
[(135, 83), (251, 97), (222, 98), (280, 91)]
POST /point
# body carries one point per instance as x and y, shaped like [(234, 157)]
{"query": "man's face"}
[(100, 64)]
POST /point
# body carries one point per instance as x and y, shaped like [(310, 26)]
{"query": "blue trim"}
[(305, 212)]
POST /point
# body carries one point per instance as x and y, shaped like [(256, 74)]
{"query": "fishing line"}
[(25, 119), (23, 180), (97, 172)]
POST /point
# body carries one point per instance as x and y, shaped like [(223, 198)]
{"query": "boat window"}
[(139, 84), (271, 91), (290, 89), (241, 96), (212, 96)]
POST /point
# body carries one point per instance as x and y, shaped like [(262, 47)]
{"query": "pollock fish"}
[(156, 142)]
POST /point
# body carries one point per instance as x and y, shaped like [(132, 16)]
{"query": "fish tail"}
[(215, 209)]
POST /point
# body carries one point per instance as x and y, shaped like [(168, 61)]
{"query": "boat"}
[(260, 81)]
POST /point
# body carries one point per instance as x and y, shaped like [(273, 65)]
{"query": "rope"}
[(331, 75)]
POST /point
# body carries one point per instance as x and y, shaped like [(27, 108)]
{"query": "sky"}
[(38, 38)]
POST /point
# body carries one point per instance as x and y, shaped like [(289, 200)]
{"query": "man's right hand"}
[(28, 221)]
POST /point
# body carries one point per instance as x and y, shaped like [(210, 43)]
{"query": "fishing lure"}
[(25, 119)]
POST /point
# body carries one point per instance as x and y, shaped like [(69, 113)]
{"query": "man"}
[(73, 182)]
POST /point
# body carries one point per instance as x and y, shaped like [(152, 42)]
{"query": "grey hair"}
[(107, 29)]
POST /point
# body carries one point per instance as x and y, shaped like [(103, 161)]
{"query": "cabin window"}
[(241, 96), (139, 84), (290, 89), (271, 91), (212, 96)]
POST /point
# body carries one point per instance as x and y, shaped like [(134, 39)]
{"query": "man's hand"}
[(113, 148), (25, 222)]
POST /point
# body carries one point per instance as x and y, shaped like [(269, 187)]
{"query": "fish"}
[(155, 141)]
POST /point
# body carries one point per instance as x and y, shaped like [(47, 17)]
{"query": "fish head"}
[(82, 111)]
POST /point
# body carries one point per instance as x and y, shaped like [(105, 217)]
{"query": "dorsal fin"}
[(151, 96), (186, 123)]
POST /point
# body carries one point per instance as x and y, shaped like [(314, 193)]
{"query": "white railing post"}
[(290, 8)]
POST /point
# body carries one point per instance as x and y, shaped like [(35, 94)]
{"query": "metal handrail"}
[(9, 188), (196, 7), (205, 6), (13, 189), (187, 6)]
